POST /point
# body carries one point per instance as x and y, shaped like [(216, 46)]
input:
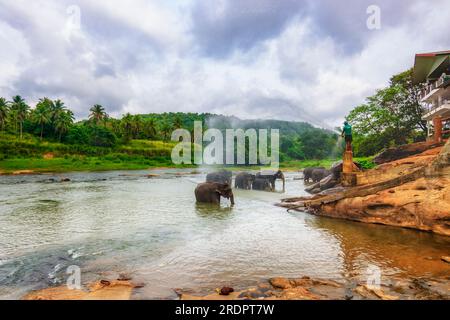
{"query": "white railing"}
[(443, 79)]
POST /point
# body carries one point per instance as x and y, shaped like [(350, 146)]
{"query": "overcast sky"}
[(292, 60)]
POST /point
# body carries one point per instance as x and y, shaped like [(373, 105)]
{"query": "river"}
[(152, 229)]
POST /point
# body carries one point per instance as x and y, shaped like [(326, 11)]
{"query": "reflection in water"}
[(396, 250), (208, 210), (108, 223)]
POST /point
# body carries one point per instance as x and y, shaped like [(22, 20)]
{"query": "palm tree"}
[(64, 122), (166, 130), (57, 108), (41, 115), (178, 123), (127, 126), (4, 108), (137, 125), (98, 114), (150, 128), (20, 111)]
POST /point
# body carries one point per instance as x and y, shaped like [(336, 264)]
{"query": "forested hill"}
[(299, 140)]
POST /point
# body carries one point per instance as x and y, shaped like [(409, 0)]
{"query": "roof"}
[(430, 65)]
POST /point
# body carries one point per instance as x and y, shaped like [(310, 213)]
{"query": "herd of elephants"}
[(219, 184)]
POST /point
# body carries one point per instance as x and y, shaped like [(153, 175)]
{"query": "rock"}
[(396, 153), (124, 277), (371, 293), (280, 283), (225, 291), (105, 282), (65, 180), (102, 290), (298, 293), (446, 259)]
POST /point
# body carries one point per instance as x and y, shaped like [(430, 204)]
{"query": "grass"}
[(81, 164), (28, 154)]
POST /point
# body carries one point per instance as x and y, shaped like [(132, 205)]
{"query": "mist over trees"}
[(52, 120)]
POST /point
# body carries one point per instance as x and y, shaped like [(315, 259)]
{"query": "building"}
[(433, 71)]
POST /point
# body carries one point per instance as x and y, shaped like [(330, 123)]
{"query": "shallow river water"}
[(152, 229)]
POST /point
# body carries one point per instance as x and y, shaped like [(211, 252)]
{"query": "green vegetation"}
[(391, 117), (46, 138)]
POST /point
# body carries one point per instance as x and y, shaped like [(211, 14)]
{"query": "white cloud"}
[(143, 56)]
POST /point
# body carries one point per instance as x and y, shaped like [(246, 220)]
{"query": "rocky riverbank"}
[(307, 288), (412, 192), (304, 288)]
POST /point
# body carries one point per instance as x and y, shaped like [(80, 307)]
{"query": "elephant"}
[(319, 174), (244, 181), (307, 173), (261, 184), (210, 192), (222, 176), (272, 178)]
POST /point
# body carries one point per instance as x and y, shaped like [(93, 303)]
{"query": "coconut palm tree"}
[(150, 128), (4, 108), (137, 126), (41, 115), (20, 112), (63, 122), (57, 108), (98, 114), (127, 126), (166, 130), (178, 123)]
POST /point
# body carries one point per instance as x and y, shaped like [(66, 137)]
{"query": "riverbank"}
[(51, 164), (412, 192), (304, 288)]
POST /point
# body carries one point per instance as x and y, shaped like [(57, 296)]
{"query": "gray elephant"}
[(244, 180), (262, 185), (307, 173), (319, 174), (211, 192), (271, 178), (222, 176)]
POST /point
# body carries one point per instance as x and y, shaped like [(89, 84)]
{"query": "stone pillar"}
[(348, 170), (348, 162), (437, 123)]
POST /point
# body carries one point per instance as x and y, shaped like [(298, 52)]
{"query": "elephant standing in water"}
[(270, 178), (222, 176), (262, 185), (308, 173), (210, 192), (244, 181)]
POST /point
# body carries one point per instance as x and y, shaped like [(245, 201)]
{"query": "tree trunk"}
[(42, 130)]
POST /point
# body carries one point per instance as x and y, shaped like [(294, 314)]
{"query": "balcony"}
[(441, 109), (433, 87)]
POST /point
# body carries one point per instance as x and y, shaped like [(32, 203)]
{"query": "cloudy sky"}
[(310, 60)]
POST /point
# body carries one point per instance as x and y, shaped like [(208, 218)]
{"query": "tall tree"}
[(41, 114), (63, 122), (392, 116), (20, 112), (4, 108), (127, 126), (98, 114)]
